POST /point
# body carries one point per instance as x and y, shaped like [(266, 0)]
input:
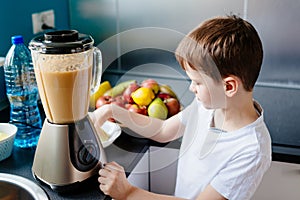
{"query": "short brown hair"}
[(227, 45)]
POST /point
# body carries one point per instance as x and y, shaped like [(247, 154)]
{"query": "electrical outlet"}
[(42, 21)]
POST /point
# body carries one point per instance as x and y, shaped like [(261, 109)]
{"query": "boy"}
[(226, 147)]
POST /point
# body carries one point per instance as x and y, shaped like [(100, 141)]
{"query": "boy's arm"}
[(210, 193), (149, 127), (113, 182)]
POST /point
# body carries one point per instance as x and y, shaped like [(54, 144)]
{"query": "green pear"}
[(158, 109)]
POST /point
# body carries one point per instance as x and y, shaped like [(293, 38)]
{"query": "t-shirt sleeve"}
[(241, 176), (186, 112)]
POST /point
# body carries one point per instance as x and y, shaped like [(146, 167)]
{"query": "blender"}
[(68, 69)]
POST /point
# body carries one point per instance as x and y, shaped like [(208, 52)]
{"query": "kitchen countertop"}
[(126, 150)]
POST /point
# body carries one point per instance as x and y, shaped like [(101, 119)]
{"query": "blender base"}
[(67, 155), (72, 188)]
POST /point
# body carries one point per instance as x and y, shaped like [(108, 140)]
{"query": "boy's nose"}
[(192, 88)]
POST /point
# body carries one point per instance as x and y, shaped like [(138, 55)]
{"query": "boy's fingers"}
[(104, 172), (102, 180), (104, 189), (113, 166)]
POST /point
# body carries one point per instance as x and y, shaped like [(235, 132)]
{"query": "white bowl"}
[(7, 143)]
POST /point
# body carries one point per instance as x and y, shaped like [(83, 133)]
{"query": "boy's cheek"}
[(217, 96)]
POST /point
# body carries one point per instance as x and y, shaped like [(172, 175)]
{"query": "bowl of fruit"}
[(148, 98)]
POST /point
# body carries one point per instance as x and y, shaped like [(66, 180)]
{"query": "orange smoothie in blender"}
[(64, 91)]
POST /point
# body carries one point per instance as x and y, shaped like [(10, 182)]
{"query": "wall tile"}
[(278, 23), (99, 19), (161, 24), (15, 18)]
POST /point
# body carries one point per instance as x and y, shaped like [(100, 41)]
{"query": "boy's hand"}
[(97, 117), (113, 181), (100, 115)]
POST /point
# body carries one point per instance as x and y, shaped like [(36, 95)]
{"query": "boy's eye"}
[(196, 83)]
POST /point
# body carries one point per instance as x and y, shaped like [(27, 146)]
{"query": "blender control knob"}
[(87, 154)]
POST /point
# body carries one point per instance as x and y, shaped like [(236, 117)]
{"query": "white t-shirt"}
[(233, 163)]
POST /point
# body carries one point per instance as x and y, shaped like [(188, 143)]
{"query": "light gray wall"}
[(138, 38), (161, 23)]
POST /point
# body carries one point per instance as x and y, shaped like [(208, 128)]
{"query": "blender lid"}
[(61, 42)]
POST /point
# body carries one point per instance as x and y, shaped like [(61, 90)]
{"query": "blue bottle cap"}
[(17, 39)]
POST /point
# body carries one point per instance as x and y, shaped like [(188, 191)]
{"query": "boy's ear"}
[(231, 84)]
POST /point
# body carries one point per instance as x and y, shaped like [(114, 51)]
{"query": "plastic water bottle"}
[(22, 92)]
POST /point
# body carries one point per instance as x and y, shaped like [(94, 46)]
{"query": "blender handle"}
[(97, 70)]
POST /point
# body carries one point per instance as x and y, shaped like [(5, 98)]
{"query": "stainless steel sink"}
[(17, 187)]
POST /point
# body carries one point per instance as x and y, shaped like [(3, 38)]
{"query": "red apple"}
[(127, 92), (164, 96), (173, 106), (137, 109), (103, 100), (127, 105), (112, 120), (151, 83), (110, 100), (132, 107), (119, 100), (143, 110)]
